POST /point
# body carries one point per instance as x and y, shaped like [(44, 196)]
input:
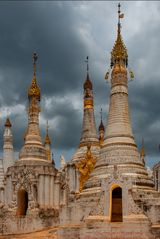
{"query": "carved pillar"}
[(77, 180), (72, 179), (125, 200), (107, 197), (41, 191), (69, 173), (158, 180), (61, 196), (57, 195), (47, 191), (65, 191), (6, 191), (2, 195), (11, 192), (52, 190)]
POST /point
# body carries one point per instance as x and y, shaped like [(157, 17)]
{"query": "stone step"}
[(50, 233)]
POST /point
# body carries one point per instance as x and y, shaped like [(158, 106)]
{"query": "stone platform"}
[(100, 229), (49, 233)]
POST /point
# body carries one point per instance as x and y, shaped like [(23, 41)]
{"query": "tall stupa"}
[(89, 134), (116, 197), (119, 149), (33, 148), (31, 183)]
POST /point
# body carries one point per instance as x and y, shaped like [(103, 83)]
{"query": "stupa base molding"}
[(100, 228)]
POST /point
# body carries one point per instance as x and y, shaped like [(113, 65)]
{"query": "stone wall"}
[(43, 218)]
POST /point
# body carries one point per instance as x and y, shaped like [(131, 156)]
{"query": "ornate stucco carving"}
[(85, 167), (133, 207), (99, 207)]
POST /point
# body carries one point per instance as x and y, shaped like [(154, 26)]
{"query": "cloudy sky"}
[(63, 34)]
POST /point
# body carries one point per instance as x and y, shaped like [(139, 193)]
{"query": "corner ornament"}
[(85, 167)]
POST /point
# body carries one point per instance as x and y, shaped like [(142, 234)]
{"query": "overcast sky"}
[(63, 34)]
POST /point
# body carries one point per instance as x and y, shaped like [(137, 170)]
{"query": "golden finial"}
[(101, 114), (47, 139), (101, 126), (87, 61), (35, 57), (119, 53), (87, 83), (101, 130), (34, 90), (119, 13), (8, 123)]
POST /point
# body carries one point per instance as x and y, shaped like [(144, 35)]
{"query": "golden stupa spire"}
[(87, 83), (119, 53), (101, 130), (47, 139), (8, 123), (34, 90), (101, 126), (47, 143)]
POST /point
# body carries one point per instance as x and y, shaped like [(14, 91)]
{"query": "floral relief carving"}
[(99, 207), (133, 207)]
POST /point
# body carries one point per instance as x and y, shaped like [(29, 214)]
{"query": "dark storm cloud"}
[(63, 33), (48, 28), (66, 126), (145, 115), (144, 94)]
